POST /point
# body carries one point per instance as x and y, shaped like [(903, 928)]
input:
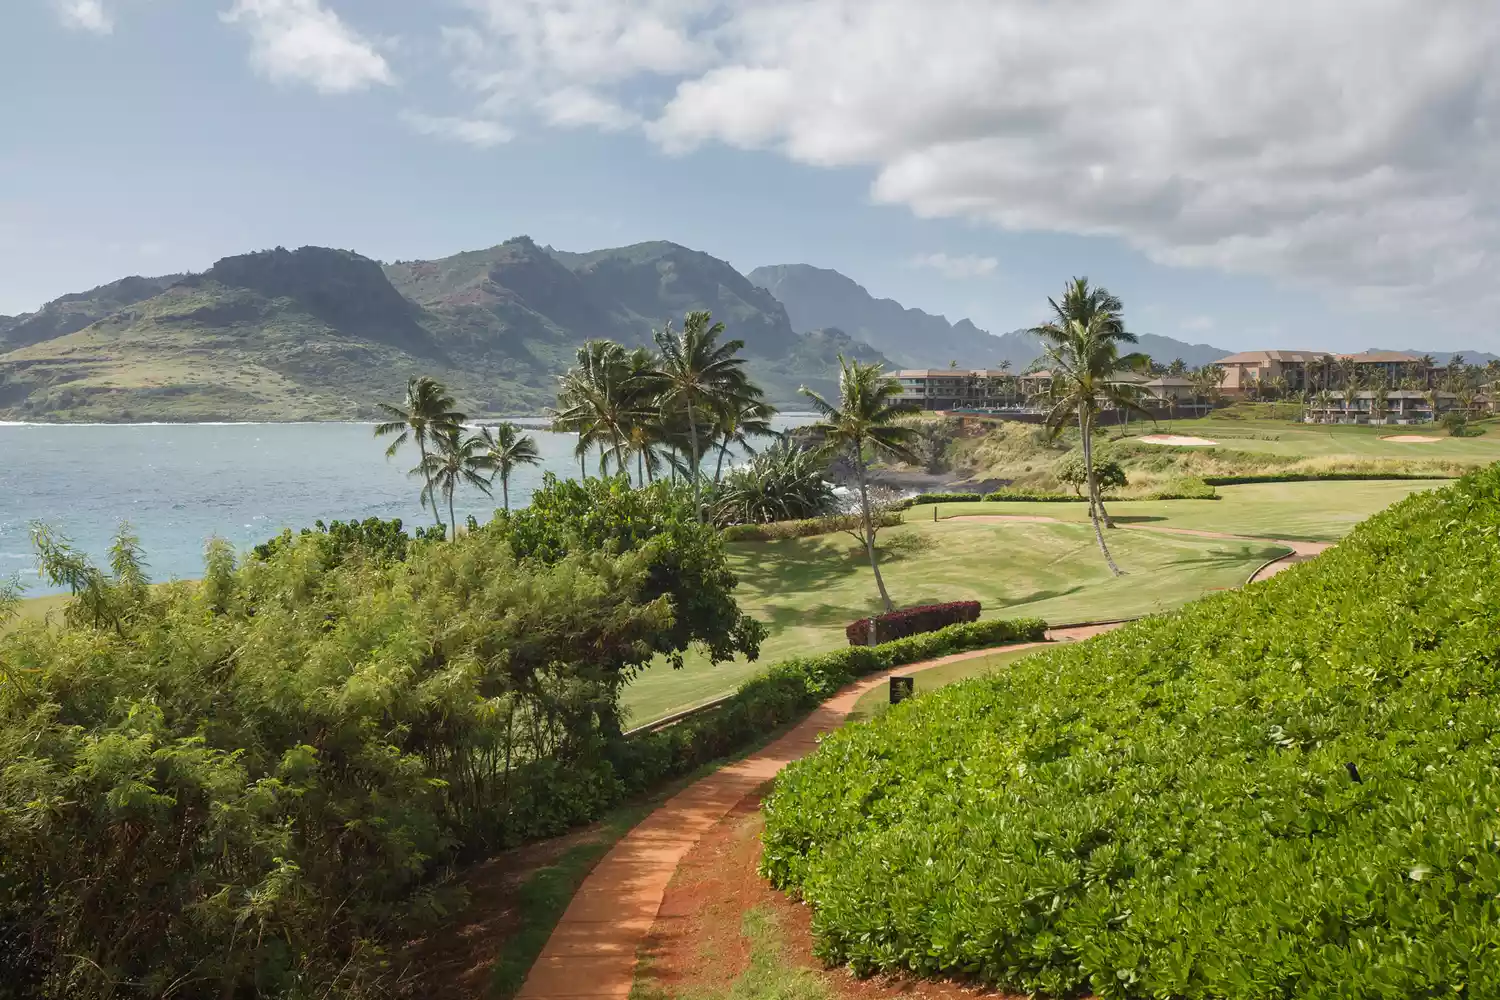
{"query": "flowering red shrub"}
[(911, 621)]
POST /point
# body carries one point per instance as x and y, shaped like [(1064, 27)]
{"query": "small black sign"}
[(902, 688)]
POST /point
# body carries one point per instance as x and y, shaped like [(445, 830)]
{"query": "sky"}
[(1277, 174)]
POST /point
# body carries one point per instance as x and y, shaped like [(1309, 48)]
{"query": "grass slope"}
[(1169, 810), (807, 589)]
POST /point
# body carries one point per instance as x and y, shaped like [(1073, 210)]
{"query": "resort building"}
[(1399, 406), (1175, 388), (1245, 373), (959, 389)]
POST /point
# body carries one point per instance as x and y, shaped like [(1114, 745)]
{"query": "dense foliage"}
[(1285, 791), (242, 787), (372, 537), (910, 621), (1073, 471), (782, 483)]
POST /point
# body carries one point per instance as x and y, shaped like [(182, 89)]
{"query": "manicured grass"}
[(1322, 512), (1284, 437), (876, 701), (807, 589)]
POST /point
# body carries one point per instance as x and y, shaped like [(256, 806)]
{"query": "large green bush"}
[(249, 786), (1172, 810)]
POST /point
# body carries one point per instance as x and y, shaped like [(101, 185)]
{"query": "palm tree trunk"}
[(583, 472), (1088, 469), (452, 517), (864, 505), (437, 514), (693, 441), (640, 467), (719, 468), (505, 490)]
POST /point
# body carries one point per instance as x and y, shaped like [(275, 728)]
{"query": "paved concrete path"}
[(1301, 551), (592, 951)]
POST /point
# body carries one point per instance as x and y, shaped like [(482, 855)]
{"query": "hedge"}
[(801, 528), (1287, 791), (1312, 477), (922, 498), (790, 689), (911, 621)]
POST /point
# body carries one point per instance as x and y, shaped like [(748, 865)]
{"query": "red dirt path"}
[(592, 951)]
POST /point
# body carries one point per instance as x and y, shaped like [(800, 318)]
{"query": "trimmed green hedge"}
[(1314, 477), (791, 689), (1288, 791), (803, 528)]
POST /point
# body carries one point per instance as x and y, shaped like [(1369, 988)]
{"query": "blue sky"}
[(946, 159)]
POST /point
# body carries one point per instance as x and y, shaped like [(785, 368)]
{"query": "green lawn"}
[(807, 589), (1324, 511), (1284, 437), (877, 700)]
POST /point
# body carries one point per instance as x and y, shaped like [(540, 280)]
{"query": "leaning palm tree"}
[(697, 374), (508, 446), (865, 418), (597, 401), (460, 458), (737, 424), (427, 413), (1084, 357)]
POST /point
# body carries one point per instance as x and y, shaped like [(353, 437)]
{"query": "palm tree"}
[(1083, 356), (1177, 367), (699, 375), (738, 423), (507, 446), (1353, 382), (460, 459), (427, 413), (598, 400), (865, 418)]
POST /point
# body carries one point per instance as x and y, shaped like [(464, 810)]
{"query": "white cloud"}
[(1285, 138), (301, 41), (473, 131), (86, 15), (965, 266)]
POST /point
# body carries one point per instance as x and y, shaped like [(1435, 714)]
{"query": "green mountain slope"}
[(316, 334)]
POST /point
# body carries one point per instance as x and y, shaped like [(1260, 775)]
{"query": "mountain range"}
[(320, 334), (816, 297)]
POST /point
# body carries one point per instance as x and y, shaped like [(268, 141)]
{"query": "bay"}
[(179, 485)]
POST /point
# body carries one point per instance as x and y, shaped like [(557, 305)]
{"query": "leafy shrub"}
[(1008, 495), (903, 622), (1191, 488), (1283, 791), (1071, 471), (250, 783), (374, 538), (922, 498), (802, 529), (782, 483)]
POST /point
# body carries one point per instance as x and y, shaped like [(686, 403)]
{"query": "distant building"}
[(1245, 372), (959, 389), (1170, 387)]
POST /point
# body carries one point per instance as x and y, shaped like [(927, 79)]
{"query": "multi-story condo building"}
[(1244, 372)]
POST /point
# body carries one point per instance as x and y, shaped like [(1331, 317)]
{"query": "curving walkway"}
[(592, 951), (1301, 551)]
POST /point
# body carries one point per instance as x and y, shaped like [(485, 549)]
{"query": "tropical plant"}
[(738, 423), (1073, 471), (600, 400), (461, 459), (865, 420), (1206, 382), (507, 446), (783, 483), (1177, 367), (698, 376), (1082, 345), (1353, 380), (426, 413)]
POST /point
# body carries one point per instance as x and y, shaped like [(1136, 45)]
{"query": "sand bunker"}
[(1176, 439), (1411, 439)]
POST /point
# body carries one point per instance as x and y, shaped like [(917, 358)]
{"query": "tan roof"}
[(1378, 357), (1261, 357), (1168, 380)]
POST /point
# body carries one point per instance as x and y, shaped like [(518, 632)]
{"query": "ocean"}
[(179, 485)]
